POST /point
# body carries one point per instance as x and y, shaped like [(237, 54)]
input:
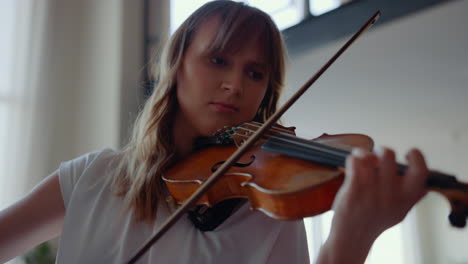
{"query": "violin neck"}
[(335, 157), (440, 180), (296, 147), (446, 185)]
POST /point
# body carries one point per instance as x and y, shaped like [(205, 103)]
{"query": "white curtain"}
[(20, 93), (396, 245), (69, 84), (21, 96)]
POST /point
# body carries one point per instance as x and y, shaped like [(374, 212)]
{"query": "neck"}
[(183, 135)]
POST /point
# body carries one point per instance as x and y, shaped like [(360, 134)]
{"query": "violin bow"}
[(181, 210)]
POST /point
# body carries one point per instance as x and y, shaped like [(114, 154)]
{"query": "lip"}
[(223, 107)]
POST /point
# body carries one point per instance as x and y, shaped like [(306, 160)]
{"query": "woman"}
[(224, 66)]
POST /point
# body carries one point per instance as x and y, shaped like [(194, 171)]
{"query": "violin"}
[(281, 171), (276, 175)]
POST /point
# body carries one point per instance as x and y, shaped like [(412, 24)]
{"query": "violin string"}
[(291, 148), (258, 124), (312, 145), (255, 126), (312, 148), (266, 135), (271, 132), (230, 132), (305, 145), (297, 140), (274, 128)]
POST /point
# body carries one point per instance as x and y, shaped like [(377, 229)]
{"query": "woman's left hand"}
[(373, 194), (373, 198)]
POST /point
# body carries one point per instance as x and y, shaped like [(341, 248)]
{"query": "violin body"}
[(274, 184)]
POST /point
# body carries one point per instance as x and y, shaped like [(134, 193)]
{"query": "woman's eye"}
[(218, 61), (256, 75)]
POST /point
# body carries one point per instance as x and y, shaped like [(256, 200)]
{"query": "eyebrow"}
[(257, 64)]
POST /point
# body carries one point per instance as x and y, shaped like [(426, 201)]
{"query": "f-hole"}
[(237, 164)]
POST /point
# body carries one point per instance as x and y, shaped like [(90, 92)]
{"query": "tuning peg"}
[(457, 219)]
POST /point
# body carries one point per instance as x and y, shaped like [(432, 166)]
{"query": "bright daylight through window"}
[(285, 13), (6, 84)]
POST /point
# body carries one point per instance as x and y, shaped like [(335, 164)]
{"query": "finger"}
[(361, 166), (352, 165), (369, 159), (387, 167), (417, 173)]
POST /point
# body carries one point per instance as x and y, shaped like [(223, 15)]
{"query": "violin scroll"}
[(455, 192)]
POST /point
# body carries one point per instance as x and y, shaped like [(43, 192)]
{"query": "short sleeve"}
[(71, 171)]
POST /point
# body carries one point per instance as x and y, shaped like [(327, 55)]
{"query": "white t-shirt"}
[(96, 231)]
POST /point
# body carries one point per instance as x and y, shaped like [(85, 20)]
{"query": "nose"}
[(233, 82)]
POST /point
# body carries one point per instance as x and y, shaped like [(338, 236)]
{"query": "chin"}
[(211, 129)]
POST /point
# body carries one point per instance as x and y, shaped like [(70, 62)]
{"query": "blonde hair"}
[(151, 150)]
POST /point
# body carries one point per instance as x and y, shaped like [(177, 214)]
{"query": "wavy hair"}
[(150, 150)]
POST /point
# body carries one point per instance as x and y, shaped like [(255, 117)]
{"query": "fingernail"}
[(358, 152), (379, 150)]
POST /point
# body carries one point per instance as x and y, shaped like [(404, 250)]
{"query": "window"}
[(285, 13), (7, 15), (319, 7)]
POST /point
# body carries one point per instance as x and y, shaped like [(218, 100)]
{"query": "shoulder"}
[(86, 170), (86, 160)]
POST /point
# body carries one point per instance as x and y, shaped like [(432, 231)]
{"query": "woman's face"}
[(216, 90)]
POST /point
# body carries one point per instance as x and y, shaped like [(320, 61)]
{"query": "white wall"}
[(404, 83)]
